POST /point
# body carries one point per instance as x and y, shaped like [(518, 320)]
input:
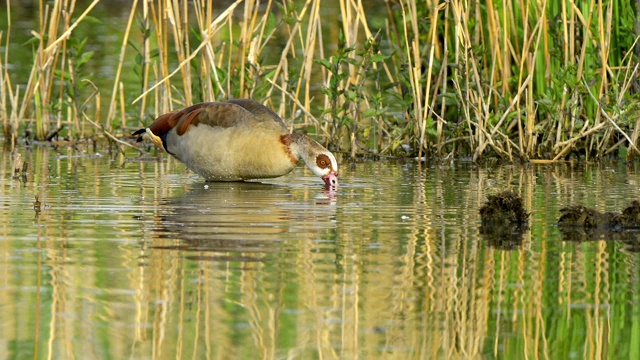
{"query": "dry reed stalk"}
[(611, 120), (461, 56), (66, 68), (605, 25), (495, 37), (284, 80), (257, 40), (291, 51), (288, 48), (626, 85), (565, 146), (177, 19), (296, 101), (477, 96), (470, 93), (349, 31), (96, 122), (158, 16), (259, 43), (354, 19), (263, 25), (10, 120), (568, 44), (47, 59), (427, 92), (116, 82), (309, 47), (246, 29), (39, 74), (412, 48), (533, 41), (522, 59), (4, 88), (229, 70), (68, 6), (146, 57), (585, 41), (204, 17), (212, 28), (445, 77), (67, 65), (123, 109)]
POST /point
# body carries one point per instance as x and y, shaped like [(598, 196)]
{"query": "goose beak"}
[(331, 179)]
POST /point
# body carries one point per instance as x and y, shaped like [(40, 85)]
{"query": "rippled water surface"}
[(123, 257)]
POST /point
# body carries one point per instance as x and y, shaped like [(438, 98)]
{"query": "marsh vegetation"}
[(510, 80)]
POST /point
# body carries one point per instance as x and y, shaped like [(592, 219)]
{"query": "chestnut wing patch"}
[(164, 123), (188, 119), (215, 114)]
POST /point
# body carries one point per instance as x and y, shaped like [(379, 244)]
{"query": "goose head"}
[(317, 158)]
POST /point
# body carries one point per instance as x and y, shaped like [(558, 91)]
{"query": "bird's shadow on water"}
[(239, 221)]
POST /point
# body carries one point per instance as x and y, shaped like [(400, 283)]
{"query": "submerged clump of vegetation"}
[(504, 209), (538, 81), (579, 216), (504, 220), (580, 223)]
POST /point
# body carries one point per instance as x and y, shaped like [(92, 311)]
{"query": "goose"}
[(237, 140)]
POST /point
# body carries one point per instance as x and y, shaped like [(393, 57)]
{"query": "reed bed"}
[(538, 81)]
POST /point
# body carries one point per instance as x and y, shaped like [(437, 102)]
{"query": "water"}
[(129, 258)]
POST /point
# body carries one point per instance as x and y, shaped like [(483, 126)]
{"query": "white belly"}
[(230, 154)]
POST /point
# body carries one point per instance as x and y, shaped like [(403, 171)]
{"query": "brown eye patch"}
[(323, 161)]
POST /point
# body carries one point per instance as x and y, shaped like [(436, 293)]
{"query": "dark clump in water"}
[(630, 218), (504, 208), (579, 216), (588, 218), (504, 220), (579, 223)]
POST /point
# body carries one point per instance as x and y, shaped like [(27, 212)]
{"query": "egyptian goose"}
[(237, 140)]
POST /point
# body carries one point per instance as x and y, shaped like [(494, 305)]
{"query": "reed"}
[(517, 81)]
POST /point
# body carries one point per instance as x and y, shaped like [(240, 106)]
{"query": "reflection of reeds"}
[(372, 285)]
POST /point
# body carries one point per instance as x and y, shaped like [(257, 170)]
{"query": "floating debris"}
[(504, 220), (38, 206), (630, 218), (579, 223), (504, 208), (20, 168), (579, 216), (587, 218)]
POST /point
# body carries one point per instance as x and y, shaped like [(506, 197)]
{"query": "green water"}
[(126, 258)]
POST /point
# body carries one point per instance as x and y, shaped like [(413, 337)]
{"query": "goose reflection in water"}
[(243, 221)]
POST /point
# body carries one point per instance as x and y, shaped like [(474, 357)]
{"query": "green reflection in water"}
[(129, 258)]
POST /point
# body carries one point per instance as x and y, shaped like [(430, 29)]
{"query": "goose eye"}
[(322, 161)]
